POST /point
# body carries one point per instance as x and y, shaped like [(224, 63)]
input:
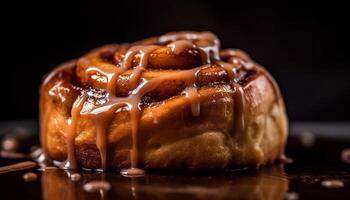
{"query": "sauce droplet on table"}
[(96, 186), (30, 176)]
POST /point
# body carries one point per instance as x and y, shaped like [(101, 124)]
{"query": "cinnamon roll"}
[(174, 102)]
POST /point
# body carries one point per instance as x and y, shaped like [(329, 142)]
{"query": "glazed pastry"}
[(174, 102)]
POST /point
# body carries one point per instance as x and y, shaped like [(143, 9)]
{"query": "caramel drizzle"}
[(208, 46), (71, 162), (238, 96), (191, 93), (132, 102)]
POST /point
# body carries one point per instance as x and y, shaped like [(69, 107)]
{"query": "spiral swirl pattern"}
[(130, 77)]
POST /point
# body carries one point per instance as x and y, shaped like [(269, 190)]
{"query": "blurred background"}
[(304, 45)]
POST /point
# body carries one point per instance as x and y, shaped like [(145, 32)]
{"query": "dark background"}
[(304, 45)]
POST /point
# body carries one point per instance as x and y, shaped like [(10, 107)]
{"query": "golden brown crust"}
[(170, 136), (166, 103)]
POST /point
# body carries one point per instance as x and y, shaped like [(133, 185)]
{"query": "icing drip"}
[(102, 121), (239, 102), (135, 113), (103, 116), (192, 95), (71, 162), (136, 58), (238, 96)]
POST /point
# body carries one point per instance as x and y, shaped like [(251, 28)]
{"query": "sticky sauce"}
[(136, 58), (71, 162), (191, 94)]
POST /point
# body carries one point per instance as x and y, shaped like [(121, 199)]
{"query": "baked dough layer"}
[(170, 137)]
